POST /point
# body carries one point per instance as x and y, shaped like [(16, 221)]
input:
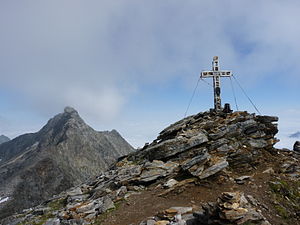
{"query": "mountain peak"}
[(64, 153), (62, 121), (70, 110)]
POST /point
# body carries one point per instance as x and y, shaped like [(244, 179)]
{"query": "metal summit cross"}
[(216, 74)]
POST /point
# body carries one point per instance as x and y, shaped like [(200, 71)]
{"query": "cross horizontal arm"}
[(222, 73)]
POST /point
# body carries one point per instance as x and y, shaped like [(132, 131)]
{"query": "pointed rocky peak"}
[(70, 110), (70, 115), (58, 126), (64, 153)]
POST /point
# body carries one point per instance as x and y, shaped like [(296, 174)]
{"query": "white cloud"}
[(96, 55), (289, 123)]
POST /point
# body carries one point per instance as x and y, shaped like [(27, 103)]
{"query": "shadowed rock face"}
[(3, 139), (65, 152), (297, 146)]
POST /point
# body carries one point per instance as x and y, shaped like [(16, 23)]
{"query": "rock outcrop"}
[(206, 143), (204, 149), (64, 153), (230, 208), (3, 139), (296, 146)]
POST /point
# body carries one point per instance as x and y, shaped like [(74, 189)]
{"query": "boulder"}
[(242, 179), (258, 143), (297, 146), (217, 167), (200, 159), (170, 183), (156, 169)]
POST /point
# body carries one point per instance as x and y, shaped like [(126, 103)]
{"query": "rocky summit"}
[(64, 153), (210, 168)]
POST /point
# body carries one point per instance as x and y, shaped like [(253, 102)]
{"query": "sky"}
[(133, 65)]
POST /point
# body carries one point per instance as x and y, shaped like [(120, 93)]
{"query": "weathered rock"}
[(150, 222), (121, 191), (156, 169), (224, 149), (258, 143), (170, 183), (296, 146), (242, 179), (75, 191), (172, 147), (52, 221), (216, 144), (162, 222), (231, 207), (200, 159), (87, 207), (78, 198), (103, 204), (269, 170), (217, 167), (199, 139), (182, 210), (127, 173), (267, 119)]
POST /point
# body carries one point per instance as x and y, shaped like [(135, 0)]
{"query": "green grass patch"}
[(40, 220), (57, 204), (102, 217), (286, 196)]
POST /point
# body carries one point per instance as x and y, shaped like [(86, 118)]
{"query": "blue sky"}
[(132, 65)]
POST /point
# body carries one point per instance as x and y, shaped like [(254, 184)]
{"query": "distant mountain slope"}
[(65, 152), (295, 135), (3, 139)]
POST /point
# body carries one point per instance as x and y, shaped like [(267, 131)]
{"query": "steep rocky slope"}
[(64, 153), (3, 139), (210, 168)]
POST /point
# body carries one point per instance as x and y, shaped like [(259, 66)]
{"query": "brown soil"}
[(147, 203)]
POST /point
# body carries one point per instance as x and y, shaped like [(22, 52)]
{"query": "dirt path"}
[(147, 203)]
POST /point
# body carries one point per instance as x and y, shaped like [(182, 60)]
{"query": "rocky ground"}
[(205, 169)]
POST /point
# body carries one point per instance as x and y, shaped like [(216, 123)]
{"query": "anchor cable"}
[(209, 84), (246, 95), (192, 97), (232, 88)]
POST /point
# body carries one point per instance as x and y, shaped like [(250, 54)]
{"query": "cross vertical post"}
[(216, 74)]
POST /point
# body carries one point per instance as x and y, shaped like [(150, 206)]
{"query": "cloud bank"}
[(98, 55)]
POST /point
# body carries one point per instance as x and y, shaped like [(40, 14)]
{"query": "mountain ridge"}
[(178, 177), (64, 152)]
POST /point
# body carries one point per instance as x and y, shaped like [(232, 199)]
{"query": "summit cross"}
[(216, 74)]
